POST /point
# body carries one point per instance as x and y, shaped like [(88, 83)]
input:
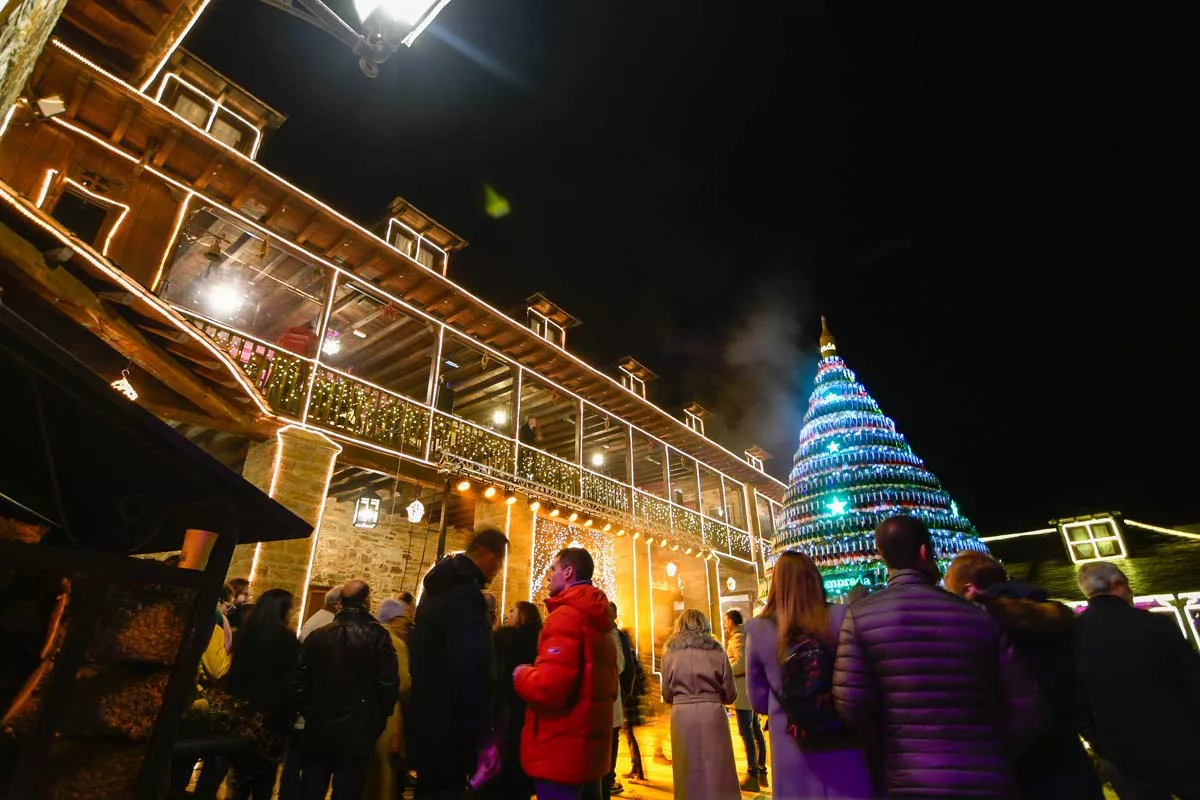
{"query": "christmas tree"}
[(852, 471)]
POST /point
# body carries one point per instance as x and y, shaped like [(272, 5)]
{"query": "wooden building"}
[(1160, 562), (338, 365)]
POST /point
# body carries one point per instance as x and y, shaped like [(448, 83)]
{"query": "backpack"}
[(806, 696)]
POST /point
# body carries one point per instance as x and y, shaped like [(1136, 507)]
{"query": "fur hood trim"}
[(690, 640)]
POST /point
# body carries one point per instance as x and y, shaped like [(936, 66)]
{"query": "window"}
[(545, 328), (208, 114), (194, 109), (81, 216), (694, 421), (228, 130), (1094, 540), (633, 383)]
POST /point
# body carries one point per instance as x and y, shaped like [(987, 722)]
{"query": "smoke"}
[(766, 365)]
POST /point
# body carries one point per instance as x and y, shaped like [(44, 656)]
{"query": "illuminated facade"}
[(337, 365), (1161, 562)]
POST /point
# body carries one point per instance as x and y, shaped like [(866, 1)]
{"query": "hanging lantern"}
[(415, 511), (730, 584), (366, 510)]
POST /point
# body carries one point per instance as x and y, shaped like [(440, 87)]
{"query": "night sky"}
[(992, 210)]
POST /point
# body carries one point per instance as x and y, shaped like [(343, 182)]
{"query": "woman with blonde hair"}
[(698, 683), (830, 766)]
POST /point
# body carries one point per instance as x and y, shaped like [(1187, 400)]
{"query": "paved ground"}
[(658, 785)]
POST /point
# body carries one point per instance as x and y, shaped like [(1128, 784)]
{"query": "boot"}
[(751, 782), (762, 778)]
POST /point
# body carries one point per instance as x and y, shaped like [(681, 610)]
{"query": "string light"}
[(550, 537)]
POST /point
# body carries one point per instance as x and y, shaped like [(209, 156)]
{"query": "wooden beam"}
[(310, 227), (127, 117), (210, 171), (72, 297), (164, 152), (258, 428)]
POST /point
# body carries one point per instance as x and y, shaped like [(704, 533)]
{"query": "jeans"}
[(349, 777), (752, 738), (611, 777), (290, 787), (549, 790)]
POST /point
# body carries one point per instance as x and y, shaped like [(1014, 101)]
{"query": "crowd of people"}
[(975, 686)]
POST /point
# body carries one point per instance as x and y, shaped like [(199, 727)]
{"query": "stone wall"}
[(25, 26), (391, 557)]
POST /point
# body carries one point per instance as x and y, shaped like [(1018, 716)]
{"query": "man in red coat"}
[(570, 689)]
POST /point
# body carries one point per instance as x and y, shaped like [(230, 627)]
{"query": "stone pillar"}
[(516, 521), (294, 467), (25, 26), (631, 590)]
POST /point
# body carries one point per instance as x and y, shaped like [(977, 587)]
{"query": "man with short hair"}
[(570, 689), (748, 725), (1141, 680), (453, 682), (929, 682), (347, 685), (324, 615)]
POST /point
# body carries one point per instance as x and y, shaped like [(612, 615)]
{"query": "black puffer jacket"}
[(934, 689), (347, 683), (453, 675)]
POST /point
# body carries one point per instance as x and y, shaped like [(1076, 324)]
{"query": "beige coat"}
[(698, 684), (383, 772)]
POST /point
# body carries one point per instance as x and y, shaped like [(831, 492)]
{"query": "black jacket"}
[(453, 677), (262, 667), (1141, 680), (626, 677), (1054, 766), (347, 683), (514, 646)]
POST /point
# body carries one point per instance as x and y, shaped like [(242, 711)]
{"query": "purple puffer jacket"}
[(933, 688)]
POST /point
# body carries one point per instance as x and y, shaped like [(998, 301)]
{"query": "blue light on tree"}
[(853, 470)]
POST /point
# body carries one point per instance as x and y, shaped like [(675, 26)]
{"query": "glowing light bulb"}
[(499, 416), (464, 485), (573, 517), (224, 298), (489, 492), (671, 569), (597, 459)]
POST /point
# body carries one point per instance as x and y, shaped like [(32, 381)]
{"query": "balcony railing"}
[(368, 412), (487, 450), (281, 377), (606, 492), (554, 473), (360, 410)]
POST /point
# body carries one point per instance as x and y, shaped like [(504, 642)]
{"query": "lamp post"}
[(386, 24)]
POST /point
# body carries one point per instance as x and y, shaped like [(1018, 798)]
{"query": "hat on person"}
[(390, 609)]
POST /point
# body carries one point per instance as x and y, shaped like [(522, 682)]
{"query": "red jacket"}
[(570, 690)]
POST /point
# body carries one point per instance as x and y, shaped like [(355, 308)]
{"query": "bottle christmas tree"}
[(852, 471)]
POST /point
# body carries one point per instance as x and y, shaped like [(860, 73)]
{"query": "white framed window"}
[(1093, 540), (633, 383)]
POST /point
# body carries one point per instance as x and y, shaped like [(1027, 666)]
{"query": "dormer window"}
[(208, 114), (416, 246), (756, 457), (633, 383), (634, 376), (547, 329), (548, 320), (694, 415)]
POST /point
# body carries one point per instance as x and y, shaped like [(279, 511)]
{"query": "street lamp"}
[(386, 24)]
